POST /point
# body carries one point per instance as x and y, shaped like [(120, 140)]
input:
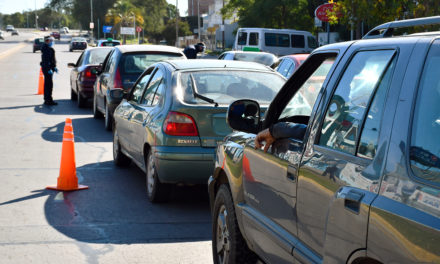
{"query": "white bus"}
[(277, 41)]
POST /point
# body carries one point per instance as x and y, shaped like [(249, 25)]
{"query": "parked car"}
[(286, 65), (14, 32), (38, 43), (9, 28), (107, 43), (363, 183), (77, 44), (119, 72), (56, 35), (83, 74), (259, 57), (171, 121)]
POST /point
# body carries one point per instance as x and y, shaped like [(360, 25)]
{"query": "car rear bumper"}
[(191, 165), (86, 88)]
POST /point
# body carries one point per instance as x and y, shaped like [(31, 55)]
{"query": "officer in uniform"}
[(48, 65), (192, 50)]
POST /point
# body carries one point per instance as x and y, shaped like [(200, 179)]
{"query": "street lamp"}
[(177, 23)]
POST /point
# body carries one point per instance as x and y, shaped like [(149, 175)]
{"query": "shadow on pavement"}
[(115, 209), (64, 107), (85, 129)]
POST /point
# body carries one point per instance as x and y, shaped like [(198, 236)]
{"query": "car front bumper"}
[(191, 165)]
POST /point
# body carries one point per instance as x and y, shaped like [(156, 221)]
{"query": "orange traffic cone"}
[(67, 181), (41, 83)]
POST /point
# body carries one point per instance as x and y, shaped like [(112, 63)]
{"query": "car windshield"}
[(39, 40), (97, 56), (79, 39), (266, 59), (136, 63), (226, 86)]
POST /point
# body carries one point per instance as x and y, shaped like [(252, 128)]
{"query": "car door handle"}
[(352, 200), (292, 173)]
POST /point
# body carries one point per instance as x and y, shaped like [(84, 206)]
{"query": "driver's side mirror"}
[(71, 65), (244, 115)]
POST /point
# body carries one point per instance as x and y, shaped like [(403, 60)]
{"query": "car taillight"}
[(86, 74), (118, 80), (178, 124)]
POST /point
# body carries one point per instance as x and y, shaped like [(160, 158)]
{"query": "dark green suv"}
[(363, 183)]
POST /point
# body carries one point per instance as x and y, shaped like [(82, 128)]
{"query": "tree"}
[(169, 32), (124, 13), (270, 13)]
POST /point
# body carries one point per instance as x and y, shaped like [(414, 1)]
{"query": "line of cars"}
[(361, 186)]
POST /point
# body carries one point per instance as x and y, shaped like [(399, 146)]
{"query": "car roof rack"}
[(386, 30)]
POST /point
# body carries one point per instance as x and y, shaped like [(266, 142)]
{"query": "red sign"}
[(138, 29), (321, 11)]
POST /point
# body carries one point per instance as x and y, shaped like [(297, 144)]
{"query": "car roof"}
[(251, 52), (136, 48), (94, 48), (213, 63), (296, 56)]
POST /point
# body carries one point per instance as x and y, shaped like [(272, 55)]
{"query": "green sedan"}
[(170, 122)]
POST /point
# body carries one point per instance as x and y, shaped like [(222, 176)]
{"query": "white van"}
[(277, 41)]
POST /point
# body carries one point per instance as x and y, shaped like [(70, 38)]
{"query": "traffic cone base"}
[(56, 188)]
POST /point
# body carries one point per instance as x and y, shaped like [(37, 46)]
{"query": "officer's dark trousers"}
[(48, 86)]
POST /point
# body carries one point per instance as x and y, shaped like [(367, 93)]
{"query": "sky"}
[(12, 6)]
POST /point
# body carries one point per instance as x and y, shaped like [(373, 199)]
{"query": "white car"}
[(9, 28)]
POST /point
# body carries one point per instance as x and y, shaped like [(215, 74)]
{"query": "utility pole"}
[(36, 17), (177, 24), (223, 32), (198, 19), (91, 17)]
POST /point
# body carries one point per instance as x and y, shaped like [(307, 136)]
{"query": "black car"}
[(121, 68), (38, 43), (362, 184), (77, 44)]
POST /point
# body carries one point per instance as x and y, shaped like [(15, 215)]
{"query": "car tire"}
[(119, 158), (108, 121), (70, 50), (96, 113), (80, 101), (157, 192), (33, 50), (228, 244), (73, 95)]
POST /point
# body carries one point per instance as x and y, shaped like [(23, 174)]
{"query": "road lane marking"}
[(11, 51)]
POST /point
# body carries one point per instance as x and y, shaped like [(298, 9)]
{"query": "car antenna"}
[(197, 95)]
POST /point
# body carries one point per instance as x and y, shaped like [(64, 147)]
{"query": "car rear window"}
[(79, 40), (136, 63), (97, 56), (266, 59), (226, 86), (110, 44)]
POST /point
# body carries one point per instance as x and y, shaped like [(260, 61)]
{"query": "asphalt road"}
[(113, 221)]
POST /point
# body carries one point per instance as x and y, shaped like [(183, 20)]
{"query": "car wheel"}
[(228, 245), (73, 95), (70, 50), (108, 122), (33, 51), (119, 158), (81, 101), (96, 113), (157, 191)]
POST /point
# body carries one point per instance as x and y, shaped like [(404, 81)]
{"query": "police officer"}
[(192, 50), (48, 65)]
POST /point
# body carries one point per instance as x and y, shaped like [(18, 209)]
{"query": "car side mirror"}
[(244, 115), (71, 65), (118, 94)]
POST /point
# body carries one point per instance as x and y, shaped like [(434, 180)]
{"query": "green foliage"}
[(169, 32), (295, 14)]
